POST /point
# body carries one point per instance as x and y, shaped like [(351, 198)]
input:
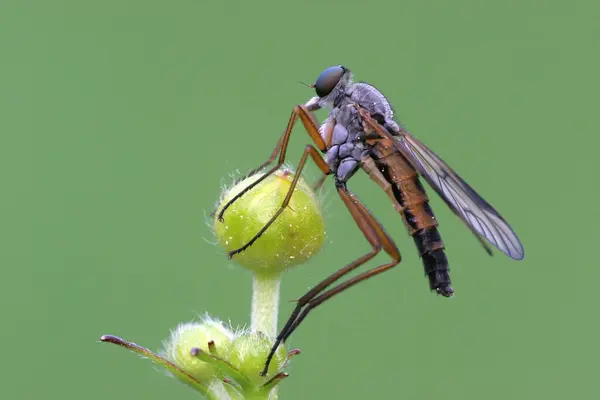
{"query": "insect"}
[(361, 133)]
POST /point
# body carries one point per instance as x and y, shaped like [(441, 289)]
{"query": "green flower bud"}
[(249, 353), (295, 236), (230, 371), (209, 336)]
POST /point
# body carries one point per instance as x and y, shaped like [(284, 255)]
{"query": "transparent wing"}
[(477, 213)]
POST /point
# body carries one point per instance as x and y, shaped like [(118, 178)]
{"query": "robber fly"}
[(361, 132)]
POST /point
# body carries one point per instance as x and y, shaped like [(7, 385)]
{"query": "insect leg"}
[(377, 238), (311, 151), (327, 138), (310, 124)]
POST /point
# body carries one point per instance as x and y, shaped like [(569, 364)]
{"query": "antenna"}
[(308, 86)]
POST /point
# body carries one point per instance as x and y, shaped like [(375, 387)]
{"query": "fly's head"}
[(330, 84)]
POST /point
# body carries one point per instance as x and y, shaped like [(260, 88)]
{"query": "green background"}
[(120, 120)]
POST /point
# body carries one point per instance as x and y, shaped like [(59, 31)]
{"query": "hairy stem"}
[(265, 309), (265, 303)]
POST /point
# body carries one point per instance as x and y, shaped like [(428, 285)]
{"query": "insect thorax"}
[(347, 142), (369, 97)]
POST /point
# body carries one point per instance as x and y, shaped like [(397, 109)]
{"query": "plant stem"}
[(265, 303), (265, 309)]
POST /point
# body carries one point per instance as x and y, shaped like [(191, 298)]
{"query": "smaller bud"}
[(295, 236), (227, 366), (249, 353), (209, 336)]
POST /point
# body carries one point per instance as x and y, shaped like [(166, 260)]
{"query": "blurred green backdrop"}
[(121, 119)]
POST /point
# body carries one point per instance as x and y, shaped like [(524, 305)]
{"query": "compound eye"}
[(328, 79)]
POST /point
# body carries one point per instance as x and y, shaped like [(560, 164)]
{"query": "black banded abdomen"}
[(418, 216), (435, 263)]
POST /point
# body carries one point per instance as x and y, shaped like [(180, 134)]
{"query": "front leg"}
[(311, 126), (309, 151)]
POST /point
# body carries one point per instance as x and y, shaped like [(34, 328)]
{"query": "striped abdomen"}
[(401, 182)]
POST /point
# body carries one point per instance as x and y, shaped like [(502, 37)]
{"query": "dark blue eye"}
[(328, 80)]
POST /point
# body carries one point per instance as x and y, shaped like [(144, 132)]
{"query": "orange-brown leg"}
[(328, 137), (311, 126), (311, 151), (377, 238)]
